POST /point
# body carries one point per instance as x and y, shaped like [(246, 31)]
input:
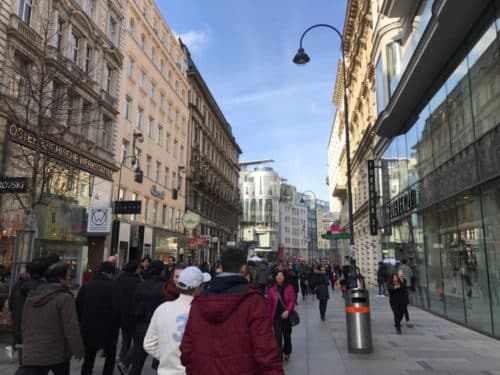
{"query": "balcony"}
[(340, 191), (18, 28), (397, 8)]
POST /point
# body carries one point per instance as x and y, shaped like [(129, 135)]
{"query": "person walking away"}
[(322, 294), (311, 281), (147, 297), (123, 300), (281, 302), (228, 330), (397, 299), (263, 275), (404, 280), (294, 281), (304, 288), (51, 335), (99, 321), (381, 278), (165, 331), (171, 287)]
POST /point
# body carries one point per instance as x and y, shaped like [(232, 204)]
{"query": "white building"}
[(292, 233)]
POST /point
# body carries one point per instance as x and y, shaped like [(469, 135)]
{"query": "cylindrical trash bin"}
[(359, 330)]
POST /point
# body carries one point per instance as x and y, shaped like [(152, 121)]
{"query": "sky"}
[(277, 110)]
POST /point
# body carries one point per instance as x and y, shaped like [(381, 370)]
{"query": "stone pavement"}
[(435, 346)]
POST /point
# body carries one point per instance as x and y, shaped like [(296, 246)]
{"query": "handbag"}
[(293, 315)]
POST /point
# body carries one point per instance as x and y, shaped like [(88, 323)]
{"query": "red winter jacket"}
[(272, 299), (229, 333)]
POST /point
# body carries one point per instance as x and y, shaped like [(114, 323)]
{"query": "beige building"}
[(154, 107), (60, 65), (212, 172), (357, 35)]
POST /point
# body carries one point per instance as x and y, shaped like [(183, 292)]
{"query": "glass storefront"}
[(450, 161)]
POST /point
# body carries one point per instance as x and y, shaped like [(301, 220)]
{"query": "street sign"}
[(127, 207), (13, 185), (336, 236)]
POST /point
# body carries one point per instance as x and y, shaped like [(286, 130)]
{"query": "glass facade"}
[(440, 184)]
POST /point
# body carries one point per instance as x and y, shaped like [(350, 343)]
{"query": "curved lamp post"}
[(302, 58)]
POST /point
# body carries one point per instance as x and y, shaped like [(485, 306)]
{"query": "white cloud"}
[(196, 40)]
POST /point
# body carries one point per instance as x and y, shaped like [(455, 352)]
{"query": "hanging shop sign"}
[(190, 220), (99, 220), (53, 149), (13, 185), (372, 198), (157, 193), (128, 207)]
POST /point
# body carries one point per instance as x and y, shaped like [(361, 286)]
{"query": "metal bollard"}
[(358, 321)]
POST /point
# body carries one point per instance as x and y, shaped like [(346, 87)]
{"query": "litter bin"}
[(359, 330)]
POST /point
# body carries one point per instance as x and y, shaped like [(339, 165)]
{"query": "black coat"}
[(398, 296), (98, 318), (123, 299), (147, 297), (321, 283)]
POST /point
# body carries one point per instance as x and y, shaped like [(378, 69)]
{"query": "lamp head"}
[(302, 200), (301, 57)]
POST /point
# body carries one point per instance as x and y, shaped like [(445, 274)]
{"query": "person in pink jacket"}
[(281, 302)]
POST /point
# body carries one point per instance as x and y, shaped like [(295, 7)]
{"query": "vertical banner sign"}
[(372, 196)]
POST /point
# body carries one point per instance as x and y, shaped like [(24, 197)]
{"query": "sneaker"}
[(122, 368), (9, 351)]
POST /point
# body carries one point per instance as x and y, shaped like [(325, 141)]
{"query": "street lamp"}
[(302, 58), (137, 137)]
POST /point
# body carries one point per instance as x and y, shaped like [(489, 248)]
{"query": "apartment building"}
[(292, 235), (154, 118), (60, 82)]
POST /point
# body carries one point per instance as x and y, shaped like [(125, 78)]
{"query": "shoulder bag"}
[(293, 315)]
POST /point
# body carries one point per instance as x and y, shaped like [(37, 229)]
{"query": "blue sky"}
[(244, 50)]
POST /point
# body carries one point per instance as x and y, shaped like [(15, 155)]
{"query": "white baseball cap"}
[(191, 278)]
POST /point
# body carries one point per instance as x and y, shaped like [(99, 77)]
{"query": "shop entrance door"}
[(96, 252)]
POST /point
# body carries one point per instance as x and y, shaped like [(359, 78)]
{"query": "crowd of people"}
[(235, 316)]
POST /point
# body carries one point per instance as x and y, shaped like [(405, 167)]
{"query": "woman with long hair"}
[(397, 299), (281, 302)]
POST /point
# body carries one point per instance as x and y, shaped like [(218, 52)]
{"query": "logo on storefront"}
[(190, 220), (13, 185), (99, 220)]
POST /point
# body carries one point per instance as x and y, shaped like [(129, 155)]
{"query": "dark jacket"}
[(123, 299), (228, 332), (50, 327), (171, 291), (382, 274), (398, 296), (17, 298), (147, 297), (294, 280), (321, 283), (263, 274), (99, 322)]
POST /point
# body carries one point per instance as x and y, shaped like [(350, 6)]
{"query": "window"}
[(181, 182), (25, 8), (91, 8), (88, 59), (140, 114), (174, 177), (153, 55), (107, 78), (380, 85), (107, 132), (131, 67), (75, 41), (162, 66), (162, 102), (160, 135), (146, 209), (164, 215), (176, 146), (143, 41), (155, 212), (60, 28), (158, 171), (125, 146), (142, 79), (150, 127), (126, 112), (181, 155), (148, 166), (152, 91), (167, 142), (132, 27), (165, 177), (112, 29)]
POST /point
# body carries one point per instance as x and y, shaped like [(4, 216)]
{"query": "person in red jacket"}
[(228, 330), (281, 300)]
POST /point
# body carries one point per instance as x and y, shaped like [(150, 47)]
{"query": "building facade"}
[(292, 238), (357, 34), (212, 172), (154, 117), (439, 155), (323, 226), (260, 191), (60, 82)]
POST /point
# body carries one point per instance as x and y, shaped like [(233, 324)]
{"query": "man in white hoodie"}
[(165, 331)]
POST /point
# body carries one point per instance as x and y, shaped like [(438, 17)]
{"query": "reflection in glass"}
[(473, 270), (491, 217), (439, 127), (450, 259), (402, 162), (433, 246), (484, 67), (424, 145)]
